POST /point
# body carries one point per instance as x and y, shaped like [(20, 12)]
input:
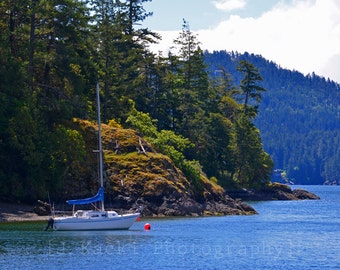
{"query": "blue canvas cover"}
[(97, 198)]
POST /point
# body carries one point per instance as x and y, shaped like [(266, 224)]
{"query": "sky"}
[(302, 35)]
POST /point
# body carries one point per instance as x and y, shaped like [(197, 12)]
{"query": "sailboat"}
[(99, 219)]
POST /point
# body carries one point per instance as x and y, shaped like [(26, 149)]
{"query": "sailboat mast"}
[(100, 145)]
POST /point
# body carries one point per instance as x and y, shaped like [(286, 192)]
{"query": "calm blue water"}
[(285, 235)]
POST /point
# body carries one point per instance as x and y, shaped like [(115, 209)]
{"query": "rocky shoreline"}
[(231, 204), (25, 215), (273, 192), (17, 212)]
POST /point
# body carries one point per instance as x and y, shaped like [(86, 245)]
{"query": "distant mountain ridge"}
[(299, 118)]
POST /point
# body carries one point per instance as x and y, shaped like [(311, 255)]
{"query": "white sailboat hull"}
[(95, 221)]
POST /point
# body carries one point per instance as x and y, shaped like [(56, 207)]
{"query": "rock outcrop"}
[(162, 190), (302, 194), (275, 191), (136, 175)]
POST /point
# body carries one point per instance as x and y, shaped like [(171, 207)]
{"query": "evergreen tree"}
[(253, 166), (193, 89), (215, 153), (249, 88), (122, 54), (43, 46), (163, 100)]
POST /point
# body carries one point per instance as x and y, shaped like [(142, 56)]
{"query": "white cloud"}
[(229, 5), (304, 36)]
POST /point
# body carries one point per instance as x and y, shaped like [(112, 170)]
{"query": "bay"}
[(284, 235)]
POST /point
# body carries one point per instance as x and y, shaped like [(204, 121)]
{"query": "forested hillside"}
[(52, 53), (185, 103), (299, 118)]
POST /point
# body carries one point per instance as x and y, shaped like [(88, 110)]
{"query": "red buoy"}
[(147, 226), (138, 219)]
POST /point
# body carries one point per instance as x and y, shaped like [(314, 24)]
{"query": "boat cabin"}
[(95, 214)]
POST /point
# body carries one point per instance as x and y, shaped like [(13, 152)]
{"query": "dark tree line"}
[(53, 52)]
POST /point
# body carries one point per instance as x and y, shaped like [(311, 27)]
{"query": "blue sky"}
[(303, 35), (201, 14)]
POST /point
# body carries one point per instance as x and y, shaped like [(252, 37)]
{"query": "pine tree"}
[(44, 60), (193, 89), (122, 54), (253, 166), (249, 88)]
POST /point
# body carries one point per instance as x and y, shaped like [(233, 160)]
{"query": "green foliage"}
[(249, 88), (252, 165), (192, 83), (122, 57), (141, 122), (68, 156), (52, 53), (193, 171), (113, 123), (170, 144)]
